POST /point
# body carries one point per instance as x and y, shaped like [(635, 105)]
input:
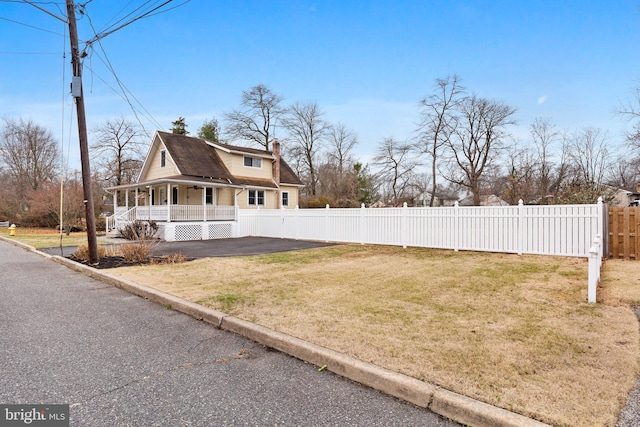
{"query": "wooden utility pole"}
[(82, 134)]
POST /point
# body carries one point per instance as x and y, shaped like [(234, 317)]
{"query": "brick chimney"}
[(276, 162)]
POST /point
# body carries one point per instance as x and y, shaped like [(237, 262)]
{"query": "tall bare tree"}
[(631, 111), (545, 135), (29, 154), (396, 167), (438, 120), (339, 164), (307, 130), (589, 162), (256, 119), (117, 150), (477, 140)]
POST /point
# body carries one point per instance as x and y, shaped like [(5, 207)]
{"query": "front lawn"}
[(513, 331)]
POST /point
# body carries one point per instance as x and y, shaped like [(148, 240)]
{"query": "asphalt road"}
[(118, 359)]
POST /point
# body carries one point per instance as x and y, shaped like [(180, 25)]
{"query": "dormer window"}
[(163, 158), (252, 162)]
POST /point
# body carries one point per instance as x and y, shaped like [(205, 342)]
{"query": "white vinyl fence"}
[(561, 230)]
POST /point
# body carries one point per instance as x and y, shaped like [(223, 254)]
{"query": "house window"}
[(252, 162), (208, 196), (163, 196), (174, 195), (256, 197), (285, 198), (163, 158)]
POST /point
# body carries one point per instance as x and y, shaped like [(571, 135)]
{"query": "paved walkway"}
[(119, 359)]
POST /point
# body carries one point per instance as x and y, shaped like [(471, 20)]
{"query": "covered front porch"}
[(173, 200)]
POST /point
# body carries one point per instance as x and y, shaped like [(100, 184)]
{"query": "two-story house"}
[(193, 188)]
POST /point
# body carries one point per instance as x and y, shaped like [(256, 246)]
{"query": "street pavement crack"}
[(242, 354)]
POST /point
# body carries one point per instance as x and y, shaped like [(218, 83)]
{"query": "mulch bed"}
[(118, 261)]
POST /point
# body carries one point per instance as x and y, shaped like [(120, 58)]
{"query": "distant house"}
[(485, 200), (186, 181)]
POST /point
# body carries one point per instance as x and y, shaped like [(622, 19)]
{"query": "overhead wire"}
[(124, 90)]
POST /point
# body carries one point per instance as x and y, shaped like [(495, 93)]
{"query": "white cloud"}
[(542, 99)]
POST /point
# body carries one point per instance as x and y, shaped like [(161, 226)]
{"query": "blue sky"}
[(366, 63)]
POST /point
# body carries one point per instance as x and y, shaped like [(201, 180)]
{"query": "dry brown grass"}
[(513, 331)]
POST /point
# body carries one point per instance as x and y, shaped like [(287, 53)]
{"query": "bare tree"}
[(477, 140), (255, 121), (545, 135), (29, 154), (118, 150), (589, 162), (396, 168), (631, 110), (306, 130), (340, 177), (438, 121)]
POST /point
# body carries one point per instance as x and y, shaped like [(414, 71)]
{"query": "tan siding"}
[(224, 196), (293, 195), (155, 171), (235, 164)]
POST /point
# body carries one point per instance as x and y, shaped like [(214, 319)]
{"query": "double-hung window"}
[(163, 158), (252, 162), (285, 198), (256, 198)]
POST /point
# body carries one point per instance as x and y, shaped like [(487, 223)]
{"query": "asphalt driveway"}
[(242, 246)]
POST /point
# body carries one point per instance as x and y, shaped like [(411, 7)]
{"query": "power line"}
[(30, 26), (123, 88), (106, 33)]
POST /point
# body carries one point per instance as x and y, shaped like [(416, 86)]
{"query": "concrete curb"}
[(456, 407)]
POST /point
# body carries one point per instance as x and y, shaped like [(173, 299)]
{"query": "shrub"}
[(82, 253), (139, 230), (138, 252)]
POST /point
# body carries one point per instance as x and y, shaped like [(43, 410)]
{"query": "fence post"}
[(282, 222), (403, 226), (520, 226), (456, 226), (297, 222), (362, 227), (600, 232), (594, 272), (326, 223)]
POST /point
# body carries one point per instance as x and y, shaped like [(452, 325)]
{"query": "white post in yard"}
[(403, 226), (594, 267), (326, 224), (297, 222), (520, 226), (601, 222), (362, 227), (456, 226)]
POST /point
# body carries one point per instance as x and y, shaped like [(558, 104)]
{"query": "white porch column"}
[(137, 194), (126, 199), (168, 202), (204, 203), (115, 201)]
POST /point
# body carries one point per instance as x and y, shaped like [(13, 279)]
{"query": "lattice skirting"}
[(196, 231)]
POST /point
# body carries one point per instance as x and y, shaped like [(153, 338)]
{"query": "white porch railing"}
[(172, 213)]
